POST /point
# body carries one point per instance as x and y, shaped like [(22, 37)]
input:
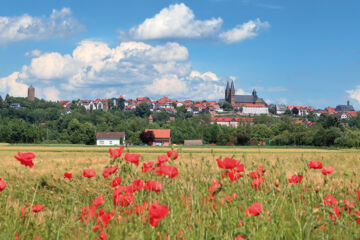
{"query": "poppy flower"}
[(173, 154), (254, 209), (68, 175), (215, 185), (37, 208), (153, 185), (99, 200), (116, 153), (228, 163), (233, 175), (88, 213), (156, 213), (116, 181), (162, 159), (256, 183), (295, 179), (102, 236), (337, 214), (138, 184), (276, 183), (330, 200), (257, 173), (358, 193), (2, 185), (26, 159), (167, 170), (315, 165), (89, 173), (348, 206), (239, 237), (133, 158), (108, 171), (327, 170), (147, 167), (123, 200)]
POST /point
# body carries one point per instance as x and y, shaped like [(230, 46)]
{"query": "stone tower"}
[(31, 93), (227, 92), (232, 93), (255, 97)]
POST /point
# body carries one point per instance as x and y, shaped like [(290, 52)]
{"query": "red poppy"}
[(276, 182), (173, 154), (162, 159), (116, 153), (295, 179), (26, 159), (239, 237), (102, 236), (153, 185), (99, 200), (330, 200), (133, 158), (254, 209), (214, 186), (123, 200), (138, 184), (37, 208), (229, 163), (108, 171), (2, 185), (156, 213), (233, 175), (327, 170), (337, 214), (88, 213), (357, 213), (349, 206), (148, 167), (257, 173), (89, 173), (116, 181), (358, 193), (68, 175), (256, 183), (167, 170), (315, 165)]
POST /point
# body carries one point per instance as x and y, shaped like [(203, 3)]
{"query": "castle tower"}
[(232, 93), (31, 93), (255, 97), (227, 92)]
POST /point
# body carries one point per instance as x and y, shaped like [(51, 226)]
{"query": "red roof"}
[(229, 119), (160, 133), (150, 117), (63, 102), (258, 105)]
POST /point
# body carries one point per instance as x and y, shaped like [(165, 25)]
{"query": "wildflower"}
[(330, 200), (108, 171), (26, 159), (2, 185), (138, 184), (116, 153), (68, 175), (99, 200), (173, 154), (336, 211), (148, 167), (239, 237), (276, 183), (162, 159), (256, 183), (89, 173), (123, 200), (230, 163), (167, 170), (156, 213), (327, 170), (153, 185), (315, 165), (295, 179), (37, 208), (116, 181), (102, 236), (348, 206), (132, 158), (254, 209), (358, 193)]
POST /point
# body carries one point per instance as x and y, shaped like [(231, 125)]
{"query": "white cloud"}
[(11, 86), (132, 69), (33, 53), (175, 21), (244, 31), (59, 24), (355, 94)]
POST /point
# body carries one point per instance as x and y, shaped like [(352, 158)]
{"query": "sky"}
[(292, 52)]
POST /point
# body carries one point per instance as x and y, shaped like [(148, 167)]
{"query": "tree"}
[(295, 111), (287, 112), (147, 137), (142, 110), (243, 139), (227, 106), (261, 132)]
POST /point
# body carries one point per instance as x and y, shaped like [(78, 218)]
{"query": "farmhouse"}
[(162, 137), (110, 138)]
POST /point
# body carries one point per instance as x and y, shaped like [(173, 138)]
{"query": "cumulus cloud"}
[(58, 25), (244, 31), (13, 87), (355, 94), (175, 21), (94, 69)]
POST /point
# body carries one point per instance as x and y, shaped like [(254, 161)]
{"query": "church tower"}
[(227, 92), (232, 93), (255, 97)]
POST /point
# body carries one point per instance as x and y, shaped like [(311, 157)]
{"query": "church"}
[(238, 101)]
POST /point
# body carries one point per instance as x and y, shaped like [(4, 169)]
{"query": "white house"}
[(255, 109), (110, 138)]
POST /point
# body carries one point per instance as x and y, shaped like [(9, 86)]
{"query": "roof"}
[(150, 117), (259, 105), (117, 135), (160, 133)]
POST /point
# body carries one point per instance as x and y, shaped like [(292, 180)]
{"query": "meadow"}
[(206, 199)]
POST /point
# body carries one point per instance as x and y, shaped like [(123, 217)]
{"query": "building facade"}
[(110, 138), (238, 101)]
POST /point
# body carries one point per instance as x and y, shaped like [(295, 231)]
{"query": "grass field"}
[(289, 211)]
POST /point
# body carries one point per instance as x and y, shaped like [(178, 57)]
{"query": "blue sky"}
[(292, 52)]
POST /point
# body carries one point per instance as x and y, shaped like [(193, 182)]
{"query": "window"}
[(110, 142), (101, 142)]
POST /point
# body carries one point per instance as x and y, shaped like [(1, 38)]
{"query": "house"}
[(162, 137), (231, 121), (280, 109), (255, 109), (16, 106), (110, 138)]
